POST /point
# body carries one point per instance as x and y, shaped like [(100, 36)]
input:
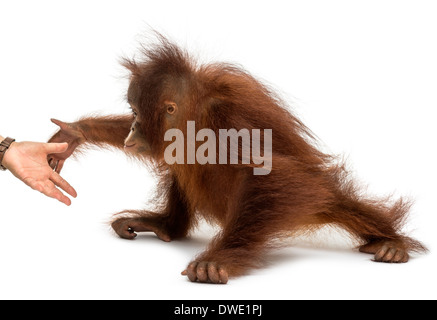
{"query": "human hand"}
[(28, 162)]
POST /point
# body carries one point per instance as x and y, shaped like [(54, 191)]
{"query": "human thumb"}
[(56, 147)]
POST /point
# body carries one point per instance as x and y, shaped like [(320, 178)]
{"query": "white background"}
[(361, 74)]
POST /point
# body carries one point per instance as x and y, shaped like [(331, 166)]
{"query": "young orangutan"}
[(304, 188)]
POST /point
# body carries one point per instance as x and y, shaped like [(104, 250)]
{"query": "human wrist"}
[(6, 145)]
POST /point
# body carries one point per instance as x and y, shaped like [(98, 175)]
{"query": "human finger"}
[(56, 147), (63, 184)]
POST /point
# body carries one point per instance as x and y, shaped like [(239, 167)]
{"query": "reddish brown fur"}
[(305, 189)]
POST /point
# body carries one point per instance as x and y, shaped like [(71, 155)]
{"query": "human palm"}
[(28, 162)]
